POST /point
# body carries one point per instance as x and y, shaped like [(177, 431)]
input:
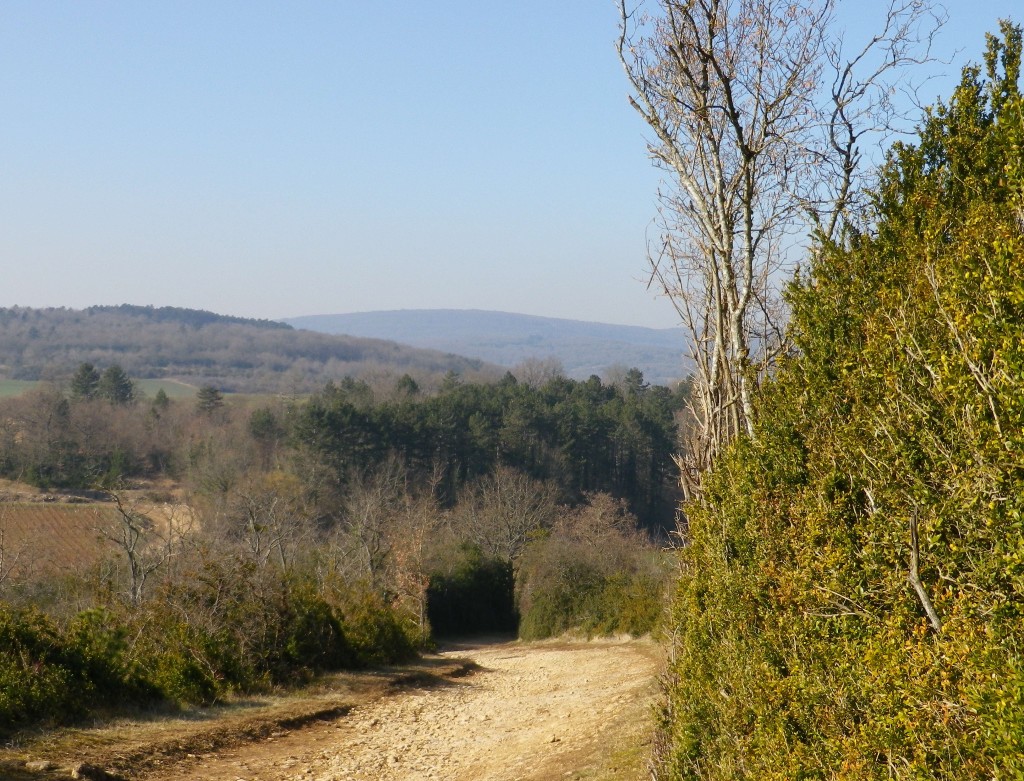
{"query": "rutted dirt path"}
[(532, 711)]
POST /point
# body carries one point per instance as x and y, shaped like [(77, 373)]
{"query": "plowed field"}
[(51, 537)]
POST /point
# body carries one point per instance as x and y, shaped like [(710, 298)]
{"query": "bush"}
[(248, 627), (594, 603), (223, 625), (375, 632), (594, 573), (42, 677), (315, 636), (98, 639), (177, 673)]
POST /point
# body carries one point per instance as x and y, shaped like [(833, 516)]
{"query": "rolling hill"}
[(508, 339), (198, 347)]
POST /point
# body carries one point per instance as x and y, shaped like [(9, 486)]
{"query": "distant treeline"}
[(582, 436), (190, 317), (233, 353)]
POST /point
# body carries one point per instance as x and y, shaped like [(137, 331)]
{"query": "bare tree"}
[(12, 552), (146, 546), (500, 511), (758, 119), (268, 513), (414, 536), (534, 372), (362, 544)]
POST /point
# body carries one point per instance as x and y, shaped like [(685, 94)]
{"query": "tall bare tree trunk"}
[(757, 116)]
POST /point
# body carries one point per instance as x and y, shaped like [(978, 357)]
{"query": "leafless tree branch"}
[(756, 152)]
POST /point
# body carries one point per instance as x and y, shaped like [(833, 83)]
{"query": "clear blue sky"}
[(281, 159)]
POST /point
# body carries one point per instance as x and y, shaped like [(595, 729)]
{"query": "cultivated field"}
[(51, 537), (15, 387), (173, 388), (46, 536)]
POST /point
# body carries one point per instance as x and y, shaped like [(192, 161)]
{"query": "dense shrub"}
[(376, 633), (177, 669), (100, 640), (250, 627), (593, 573), (223, 627), (316, 638), (850, 605), (37, 682), (587, 600), (50, 675)]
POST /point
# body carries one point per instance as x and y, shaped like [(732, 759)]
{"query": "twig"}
[(915, 578)]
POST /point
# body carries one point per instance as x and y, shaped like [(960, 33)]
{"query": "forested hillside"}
[(852, 595), (232, 353)]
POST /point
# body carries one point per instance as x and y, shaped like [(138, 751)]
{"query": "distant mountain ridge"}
[(507, 339)]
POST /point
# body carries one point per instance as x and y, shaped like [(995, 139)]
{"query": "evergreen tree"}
[(406, 386), (85, 383), (116, 386), (160, 401), (209, 399)]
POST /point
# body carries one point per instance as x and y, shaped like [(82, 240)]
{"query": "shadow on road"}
[(456, 644)]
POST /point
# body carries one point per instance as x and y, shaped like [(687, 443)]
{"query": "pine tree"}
[(85, 383), (116, 386), (209, 399)]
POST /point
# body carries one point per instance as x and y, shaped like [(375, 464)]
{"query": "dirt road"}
[(532, 711)]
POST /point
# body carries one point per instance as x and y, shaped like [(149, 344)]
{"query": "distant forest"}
[(234, 354)]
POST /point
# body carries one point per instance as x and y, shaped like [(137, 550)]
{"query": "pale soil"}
[(539, 711)]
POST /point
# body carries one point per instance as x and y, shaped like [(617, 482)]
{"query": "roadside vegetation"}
[(234, 545), (852, 595)]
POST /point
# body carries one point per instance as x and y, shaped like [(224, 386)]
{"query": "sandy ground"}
[(533, 711)]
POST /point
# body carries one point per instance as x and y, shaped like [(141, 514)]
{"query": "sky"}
[(273, 160)]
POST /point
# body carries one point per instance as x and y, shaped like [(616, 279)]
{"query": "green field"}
[(15, 387), (173, 388)]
